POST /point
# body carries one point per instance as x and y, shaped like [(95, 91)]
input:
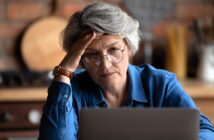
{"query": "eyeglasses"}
[(114, 55)]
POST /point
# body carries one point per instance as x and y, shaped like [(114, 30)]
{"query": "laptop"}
[(138, 124)]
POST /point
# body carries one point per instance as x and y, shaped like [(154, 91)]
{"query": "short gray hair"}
[(104, 18)]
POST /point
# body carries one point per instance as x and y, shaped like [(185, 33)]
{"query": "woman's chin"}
[(108, 83)]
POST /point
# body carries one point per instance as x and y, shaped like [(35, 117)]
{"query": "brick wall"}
[(17, 15)]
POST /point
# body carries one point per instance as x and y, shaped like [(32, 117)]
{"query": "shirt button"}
[(66, 96)]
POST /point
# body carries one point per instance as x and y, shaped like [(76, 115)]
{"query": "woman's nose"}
[(105, 62)]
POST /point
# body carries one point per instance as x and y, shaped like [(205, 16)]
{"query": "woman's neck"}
[(115, 100), (115, 96)]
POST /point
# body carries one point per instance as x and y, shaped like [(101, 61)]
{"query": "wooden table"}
[(203, 95)]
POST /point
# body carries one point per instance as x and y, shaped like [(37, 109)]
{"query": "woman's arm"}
[(176, 96), (59, 120)]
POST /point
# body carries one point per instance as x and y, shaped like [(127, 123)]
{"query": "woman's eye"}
[(90, 55), (113, 50)]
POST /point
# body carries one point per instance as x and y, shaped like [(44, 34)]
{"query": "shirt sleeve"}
[(59, 118), (176, 96)]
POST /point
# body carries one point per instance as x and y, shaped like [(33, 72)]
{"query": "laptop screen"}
[(138, 124)]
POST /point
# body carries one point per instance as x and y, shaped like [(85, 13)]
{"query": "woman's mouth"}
[(104, 75)]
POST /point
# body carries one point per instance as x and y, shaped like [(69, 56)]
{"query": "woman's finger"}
[(83, 43), (72, 59)]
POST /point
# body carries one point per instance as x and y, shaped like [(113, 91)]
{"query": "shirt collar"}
[(136, 90), (96, 92)]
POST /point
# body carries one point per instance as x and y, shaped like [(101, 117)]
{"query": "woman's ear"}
[(130, 54), (129, 50)]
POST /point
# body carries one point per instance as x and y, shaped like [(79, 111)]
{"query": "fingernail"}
[(87, 36), (93, 34)]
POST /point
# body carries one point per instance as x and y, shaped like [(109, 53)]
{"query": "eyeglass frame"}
[(106, 56)]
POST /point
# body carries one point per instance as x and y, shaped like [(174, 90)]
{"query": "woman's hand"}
[(72, 59)]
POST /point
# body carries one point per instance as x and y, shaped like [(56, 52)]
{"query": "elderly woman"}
[(102, 39)]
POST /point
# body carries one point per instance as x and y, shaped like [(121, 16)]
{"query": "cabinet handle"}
[(6, 117)]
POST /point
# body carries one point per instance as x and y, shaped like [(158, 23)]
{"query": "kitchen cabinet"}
[(20, 112), (20, 119)]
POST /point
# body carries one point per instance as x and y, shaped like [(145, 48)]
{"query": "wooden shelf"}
[(196, 89), (23, 94), (201, 92)]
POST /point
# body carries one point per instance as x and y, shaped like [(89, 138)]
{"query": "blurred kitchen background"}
[(178, 35)]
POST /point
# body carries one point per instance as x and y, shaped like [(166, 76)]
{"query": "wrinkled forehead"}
[(105, 40)]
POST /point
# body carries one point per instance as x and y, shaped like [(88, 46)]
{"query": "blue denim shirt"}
[(147, 87)]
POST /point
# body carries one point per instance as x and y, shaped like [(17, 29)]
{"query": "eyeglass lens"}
[(114, 55)]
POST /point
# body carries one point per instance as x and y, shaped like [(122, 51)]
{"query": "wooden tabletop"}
[(23, 94), (198, 89), (195, 88)]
